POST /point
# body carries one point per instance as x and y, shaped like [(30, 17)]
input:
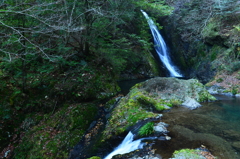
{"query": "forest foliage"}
[(56, 52), (43, 42)]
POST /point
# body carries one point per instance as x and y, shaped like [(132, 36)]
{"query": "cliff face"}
[(204, 36)]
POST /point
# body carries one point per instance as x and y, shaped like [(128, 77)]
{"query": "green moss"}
[(205, 96), (110, 89), (126, 114), (136, 106), (211, 30), (201, 49), (95, 157), (153, 64), (234, 66), (187, 154), (110, 104), (234, 90), (138, 85), (219, 80), (54, 137), (215, 50), (175, 102), (160, 107)]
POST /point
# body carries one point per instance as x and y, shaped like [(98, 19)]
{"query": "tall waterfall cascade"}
[(128, 145), (161, 48)]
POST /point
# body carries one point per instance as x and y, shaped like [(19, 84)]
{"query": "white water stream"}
[(161, 48), (128, 145)]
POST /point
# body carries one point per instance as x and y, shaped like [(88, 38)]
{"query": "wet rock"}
[(176, 89), (159, 116), (231, 134), (191, 103), (160, 128), (198, 153), (146, 153), (236, 145), (215, 89), (218, 90), (186, 154)]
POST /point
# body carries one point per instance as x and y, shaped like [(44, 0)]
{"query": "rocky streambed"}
[(186, 121), (145, 102)]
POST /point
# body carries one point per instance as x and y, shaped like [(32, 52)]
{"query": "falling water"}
[(161, 48), (128, 145)]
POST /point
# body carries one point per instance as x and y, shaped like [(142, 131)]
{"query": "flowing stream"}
[(161, 48), (128, 145)]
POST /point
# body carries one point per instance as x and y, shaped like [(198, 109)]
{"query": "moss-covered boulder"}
[(175, 90), (151, 96)]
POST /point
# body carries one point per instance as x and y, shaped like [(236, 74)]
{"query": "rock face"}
[(199, 40)]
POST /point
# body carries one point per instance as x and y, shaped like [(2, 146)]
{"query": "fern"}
[(146, 129)]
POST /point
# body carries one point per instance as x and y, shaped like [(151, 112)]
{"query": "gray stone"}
[(215, 89), (159, 116), (191, 103), (175, 89), (161, 128)]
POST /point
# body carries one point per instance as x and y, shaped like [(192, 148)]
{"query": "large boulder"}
[(175, 89), (151, 96)]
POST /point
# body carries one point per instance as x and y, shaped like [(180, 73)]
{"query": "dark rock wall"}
[(197, 36)]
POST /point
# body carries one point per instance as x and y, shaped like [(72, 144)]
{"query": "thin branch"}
[(18, 32)]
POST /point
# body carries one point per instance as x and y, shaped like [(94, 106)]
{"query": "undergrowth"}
[(146, 129)]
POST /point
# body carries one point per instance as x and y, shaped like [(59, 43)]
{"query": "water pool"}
[(215, 125)]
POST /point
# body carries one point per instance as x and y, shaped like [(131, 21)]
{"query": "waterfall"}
[(128, 145), (161, 47)]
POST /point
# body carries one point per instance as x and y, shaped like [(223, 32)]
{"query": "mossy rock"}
[(187, 154), (146, 98), (173, 89), (128, 112)]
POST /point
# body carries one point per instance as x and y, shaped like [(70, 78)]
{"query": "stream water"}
[(214, 125), (128, 145)]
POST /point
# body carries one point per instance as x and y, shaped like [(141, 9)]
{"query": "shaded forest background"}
[(58, 59)]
